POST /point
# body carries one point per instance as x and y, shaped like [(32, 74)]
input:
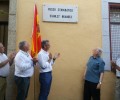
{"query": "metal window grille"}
[(115, 32)]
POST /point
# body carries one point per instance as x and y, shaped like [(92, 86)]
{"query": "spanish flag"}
[(36, 37)]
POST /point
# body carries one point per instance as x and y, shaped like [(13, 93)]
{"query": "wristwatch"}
[(54, 59)]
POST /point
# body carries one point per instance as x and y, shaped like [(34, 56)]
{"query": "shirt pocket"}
[(96, 65), (28, 60)]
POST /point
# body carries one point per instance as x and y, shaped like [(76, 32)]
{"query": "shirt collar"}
[(1, 53), (44, 51), (95, 57), (26, 53)]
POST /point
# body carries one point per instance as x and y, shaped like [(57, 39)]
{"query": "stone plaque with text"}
[(60, 13)]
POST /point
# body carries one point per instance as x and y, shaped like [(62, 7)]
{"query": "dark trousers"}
[(3, 84), (22, 87), (45, 84), (90, 91)]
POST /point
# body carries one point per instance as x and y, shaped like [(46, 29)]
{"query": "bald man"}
[(5, 63), (93, 76)]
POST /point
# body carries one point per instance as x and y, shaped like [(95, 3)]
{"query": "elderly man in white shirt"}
[(23, 70), (5, 63), (116, 65), (46, 62)]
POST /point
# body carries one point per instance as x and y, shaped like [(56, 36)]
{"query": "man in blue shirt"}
[(93, 76)]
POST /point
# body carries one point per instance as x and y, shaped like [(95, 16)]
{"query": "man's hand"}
[(12, 56), (98, 86), (57, 55), (50, 56), (113, 64), (35, 60), (83, 77)]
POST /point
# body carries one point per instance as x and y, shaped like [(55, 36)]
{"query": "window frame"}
[(114, 5)]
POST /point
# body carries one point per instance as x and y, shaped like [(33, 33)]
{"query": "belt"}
[(46, 72), (118, 77), (2, 77), (22, 77)]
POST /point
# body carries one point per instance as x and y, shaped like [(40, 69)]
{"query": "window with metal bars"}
[(115, 31)]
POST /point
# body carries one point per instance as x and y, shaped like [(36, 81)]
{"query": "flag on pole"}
[(36, 37)]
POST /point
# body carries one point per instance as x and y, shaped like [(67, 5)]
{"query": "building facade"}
[(98, 26)]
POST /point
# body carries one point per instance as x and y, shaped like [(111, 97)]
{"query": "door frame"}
[(11, 47)]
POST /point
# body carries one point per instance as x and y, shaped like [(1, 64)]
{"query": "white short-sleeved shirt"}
[(4, 71), (118, 64)]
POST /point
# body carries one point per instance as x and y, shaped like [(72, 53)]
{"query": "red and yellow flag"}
[(36, 37)]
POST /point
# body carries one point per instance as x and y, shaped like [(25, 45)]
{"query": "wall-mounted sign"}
[(60, 13)]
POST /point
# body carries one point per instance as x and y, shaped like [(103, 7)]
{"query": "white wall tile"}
[(106, 58), (105, 27), (114, 1), (105, 10), (106, 43)]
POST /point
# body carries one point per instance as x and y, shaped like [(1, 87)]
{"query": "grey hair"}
[(44, 42), (1, 43), (99, 50), (22, 44)]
